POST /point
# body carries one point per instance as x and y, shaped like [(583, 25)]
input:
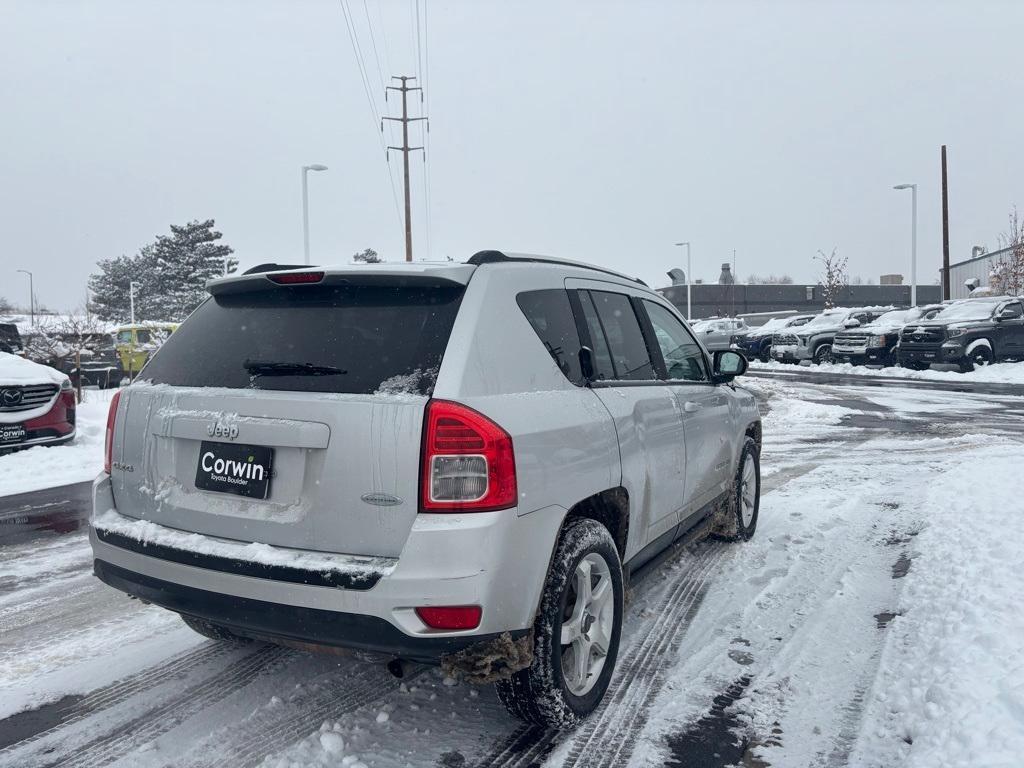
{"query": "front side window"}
[(684, 360), (1014, 307), (550, 314), (124, 337), (611, 316)]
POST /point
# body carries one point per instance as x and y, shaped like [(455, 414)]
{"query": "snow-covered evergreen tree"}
[(170, 275)]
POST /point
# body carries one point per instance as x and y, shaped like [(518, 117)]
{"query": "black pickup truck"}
[(875, 343), (969, 333)]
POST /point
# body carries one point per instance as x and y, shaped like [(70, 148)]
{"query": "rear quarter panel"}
[(565, 444)]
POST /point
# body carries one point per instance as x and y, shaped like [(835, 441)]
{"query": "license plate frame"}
[(239, 470), (12, 434)]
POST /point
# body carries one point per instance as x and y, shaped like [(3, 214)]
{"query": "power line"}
[(428, 157), (374, 113), (373, 41)]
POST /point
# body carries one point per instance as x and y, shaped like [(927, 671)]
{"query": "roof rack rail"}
[(272, 267), (497, 257)]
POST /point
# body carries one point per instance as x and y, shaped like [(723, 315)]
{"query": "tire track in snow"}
[(608, 737), (156, 721), (120, 690), (280, 724), (637, 678)]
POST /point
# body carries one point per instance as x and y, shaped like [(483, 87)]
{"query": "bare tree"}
[(63, 341), (834, 279), (1008, 268)]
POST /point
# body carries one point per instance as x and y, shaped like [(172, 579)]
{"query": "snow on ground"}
[(950, 690), (46, 467), (1009, 373)]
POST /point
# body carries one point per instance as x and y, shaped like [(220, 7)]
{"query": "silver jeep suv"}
[(445, 463)]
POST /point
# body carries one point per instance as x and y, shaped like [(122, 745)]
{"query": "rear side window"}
[(617, 323), (357, 339), (550, 314)]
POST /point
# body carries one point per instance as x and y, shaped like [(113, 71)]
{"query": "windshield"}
[(355, 339), (971, 309), (826, 320), (897, 317)]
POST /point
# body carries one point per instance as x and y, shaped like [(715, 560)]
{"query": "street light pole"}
[(131, 299), (689, 281), (305, 204), (31, 296), (913, 240)]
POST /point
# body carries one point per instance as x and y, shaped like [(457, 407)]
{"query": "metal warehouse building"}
[(979, 267)]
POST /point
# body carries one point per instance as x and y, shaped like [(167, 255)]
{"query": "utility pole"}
[(945, 229), (405, 149)]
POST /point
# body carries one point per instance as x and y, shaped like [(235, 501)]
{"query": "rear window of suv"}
[(356, 339)]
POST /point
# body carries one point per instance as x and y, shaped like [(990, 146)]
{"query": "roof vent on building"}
[(726, 278), (677, 276)]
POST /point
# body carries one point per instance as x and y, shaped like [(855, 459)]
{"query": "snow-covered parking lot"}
[(873, 620)]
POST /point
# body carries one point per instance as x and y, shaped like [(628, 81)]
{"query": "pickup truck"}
[(813, 341), (875, 343)]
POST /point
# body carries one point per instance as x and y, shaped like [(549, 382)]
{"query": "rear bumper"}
[(276, 621), (497, 560)]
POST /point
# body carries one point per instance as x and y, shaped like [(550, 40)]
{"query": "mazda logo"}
[(11, 397)]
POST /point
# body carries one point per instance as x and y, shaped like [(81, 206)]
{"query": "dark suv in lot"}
[(10, 339), (969, 333), (876, 342)]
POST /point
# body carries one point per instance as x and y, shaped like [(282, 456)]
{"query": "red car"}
[(37, 404)]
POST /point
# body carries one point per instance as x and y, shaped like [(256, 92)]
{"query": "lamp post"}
[(305, 204), (913, 240), (31, 296), (689, 281), (131, 299)]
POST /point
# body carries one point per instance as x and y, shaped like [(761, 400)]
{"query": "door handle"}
[(691, 407)]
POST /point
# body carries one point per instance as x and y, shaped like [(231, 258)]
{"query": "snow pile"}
[(949, 690), (18, 371), (150, 533), (48, 467), (1009, 373)]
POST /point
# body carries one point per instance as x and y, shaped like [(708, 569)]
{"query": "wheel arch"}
[(610, 508), (983, 342)]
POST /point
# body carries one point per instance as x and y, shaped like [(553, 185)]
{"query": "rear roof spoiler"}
[(398, 273), (499, 257)]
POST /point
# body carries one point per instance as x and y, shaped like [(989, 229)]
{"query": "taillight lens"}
[(468, 461), (108, 444), (451, 617), (297, 278)]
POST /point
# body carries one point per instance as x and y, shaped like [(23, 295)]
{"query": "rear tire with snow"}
[(576, 633), (212, 631), (738, 520)]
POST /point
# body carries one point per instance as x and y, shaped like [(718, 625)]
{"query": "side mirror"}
[(728, 365), (586, 356), (709, 330)]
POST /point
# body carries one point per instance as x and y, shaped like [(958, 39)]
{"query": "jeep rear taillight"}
[(108, 443), (468, 461)]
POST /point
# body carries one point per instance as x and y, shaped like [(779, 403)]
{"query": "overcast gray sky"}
[(597, 131)]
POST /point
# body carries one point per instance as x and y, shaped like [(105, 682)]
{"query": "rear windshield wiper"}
[(266, 368)]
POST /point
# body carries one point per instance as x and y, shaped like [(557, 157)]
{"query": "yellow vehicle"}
[(135, 343)]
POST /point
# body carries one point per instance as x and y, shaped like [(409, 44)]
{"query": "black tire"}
[(823, 354), (980, 356), (539, 693), (213, 631), (765, 355), (730, 525)]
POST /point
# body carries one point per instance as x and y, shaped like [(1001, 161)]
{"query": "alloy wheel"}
[(588, 624)]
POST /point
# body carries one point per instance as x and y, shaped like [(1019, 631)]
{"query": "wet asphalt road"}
[(39, 514)]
